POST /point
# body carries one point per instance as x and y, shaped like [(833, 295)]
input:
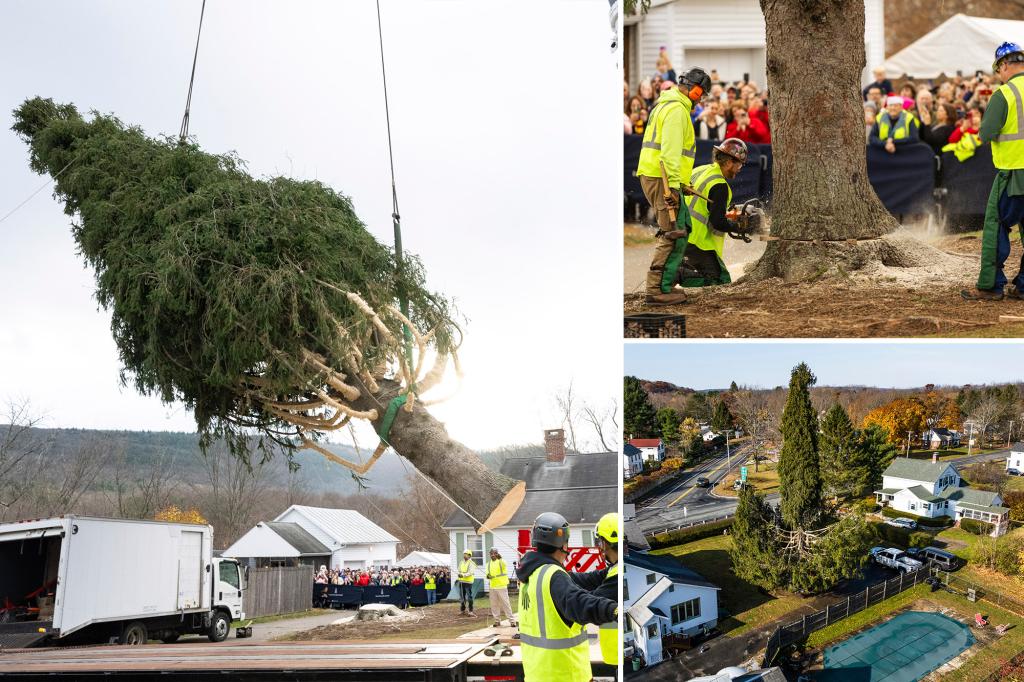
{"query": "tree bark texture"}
[(825, 213), (424, 441)]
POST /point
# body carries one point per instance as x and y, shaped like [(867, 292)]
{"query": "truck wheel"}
[(170, 637), (134, 634), (220, 627)]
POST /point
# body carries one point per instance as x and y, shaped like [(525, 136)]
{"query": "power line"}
[(37, 191)]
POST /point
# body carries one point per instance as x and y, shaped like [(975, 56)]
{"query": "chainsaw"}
[(750, 217)]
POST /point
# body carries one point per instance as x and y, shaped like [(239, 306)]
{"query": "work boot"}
[(673, 298), (1014, 293), (472, 615), (497, 624), (981, 295)]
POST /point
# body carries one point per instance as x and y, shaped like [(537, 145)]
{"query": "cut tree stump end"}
[(1010, 318), (508, 506)]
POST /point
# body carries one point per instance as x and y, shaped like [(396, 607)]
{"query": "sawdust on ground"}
[(431, 622), (876, 302)]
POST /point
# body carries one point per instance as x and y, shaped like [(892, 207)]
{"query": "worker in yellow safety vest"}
[(497, 573), (605, 583), (467, 574), (670, 148), (893, 127), (430, 585), (1003, 126), (553, 610), (702, 260)]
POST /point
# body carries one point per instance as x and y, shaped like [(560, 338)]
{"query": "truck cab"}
[(228, 584)]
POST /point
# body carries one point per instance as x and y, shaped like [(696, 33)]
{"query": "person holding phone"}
[(1003, 126)]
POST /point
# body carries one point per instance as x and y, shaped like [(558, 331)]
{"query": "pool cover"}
[(903, 649)]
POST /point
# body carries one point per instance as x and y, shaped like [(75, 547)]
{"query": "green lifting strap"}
[(389, 416)]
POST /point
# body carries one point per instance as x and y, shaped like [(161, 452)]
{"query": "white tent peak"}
[(961, 43)]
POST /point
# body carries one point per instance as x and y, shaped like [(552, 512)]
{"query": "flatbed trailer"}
[(455, 660)]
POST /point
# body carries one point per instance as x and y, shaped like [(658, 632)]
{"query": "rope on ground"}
[(37, 191), (183, 133)]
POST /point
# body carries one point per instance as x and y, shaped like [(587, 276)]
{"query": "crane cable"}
[(183, 133)]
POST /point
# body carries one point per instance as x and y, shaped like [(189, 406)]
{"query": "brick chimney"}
[(554, 445)]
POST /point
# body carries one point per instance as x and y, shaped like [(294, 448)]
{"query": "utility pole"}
[(1009, 436), (908, 443), (728, 457), (970, 431)]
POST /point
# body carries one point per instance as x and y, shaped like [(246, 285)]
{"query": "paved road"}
[(684, 502)]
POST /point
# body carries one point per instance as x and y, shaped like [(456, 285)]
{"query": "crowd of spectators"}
[(938, 113), (383, 575), (730, 109)]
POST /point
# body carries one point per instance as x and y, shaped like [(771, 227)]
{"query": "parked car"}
[(703, 482), (895, 558), (738, 484), (936, 557), (902, 523), (1014, 472)]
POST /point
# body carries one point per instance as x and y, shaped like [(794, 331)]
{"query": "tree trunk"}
[(825, 214), (424, 441)]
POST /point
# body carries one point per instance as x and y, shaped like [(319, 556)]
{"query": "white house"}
[(632, 461), (710, 435), (935, 439), (1015, 460), (725, 35), (580, 487), (935, 489), (353, 540), (662, 597), (651, 449), (273, 543)]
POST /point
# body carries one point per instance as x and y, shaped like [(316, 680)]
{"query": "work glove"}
[(672, 200)]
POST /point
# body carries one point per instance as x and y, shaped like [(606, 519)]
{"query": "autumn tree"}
[(899, 417), (940, 411), (175, 514), (825, 215), (264, 306)]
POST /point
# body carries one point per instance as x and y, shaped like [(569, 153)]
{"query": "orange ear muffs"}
[(695, 93)]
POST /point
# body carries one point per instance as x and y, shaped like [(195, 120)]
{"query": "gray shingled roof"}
[(916, 469), (298, 537), (582, 489)]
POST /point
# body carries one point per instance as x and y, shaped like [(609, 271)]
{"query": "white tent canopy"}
[(419, 558), (961, 43)]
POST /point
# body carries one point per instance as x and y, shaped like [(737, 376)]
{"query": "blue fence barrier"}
[(905, 181), (354, 596)]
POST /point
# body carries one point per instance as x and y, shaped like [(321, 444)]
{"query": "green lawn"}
[(1015, 483), (950, 453), (748, 605), (984, 577), (766, 480)]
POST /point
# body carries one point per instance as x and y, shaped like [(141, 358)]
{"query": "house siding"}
[(1015, 461)]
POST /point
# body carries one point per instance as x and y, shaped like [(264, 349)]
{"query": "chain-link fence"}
[(812, 622)]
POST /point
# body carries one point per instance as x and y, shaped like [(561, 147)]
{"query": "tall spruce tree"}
[(754, 548), (874, 454), (668, 424), (639, 418), (799, 477), (836, 452), (838, 554), (722, 419)]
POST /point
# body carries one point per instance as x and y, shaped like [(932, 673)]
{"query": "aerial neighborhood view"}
[(839, 518)]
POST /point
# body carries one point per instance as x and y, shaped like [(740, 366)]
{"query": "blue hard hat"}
[(1008, 49)]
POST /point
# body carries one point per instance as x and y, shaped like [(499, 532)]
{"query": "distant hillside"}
[(144, 449)]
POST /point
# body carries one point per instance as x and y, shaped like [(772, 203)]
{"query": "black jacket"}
[(598, 582), (573, 604)]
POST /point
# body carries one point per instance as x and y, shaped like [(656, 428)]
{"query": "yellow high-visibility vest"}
[(551, 650), (964, 147), (669, 137), (903, 124), (466, 569), (1008, 147), (608, 634), (498, 572), (429, 582), (703, 236)]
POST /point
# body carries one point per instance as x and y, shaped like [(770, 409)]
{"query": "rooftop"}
[(916, 469), (645, 442), (668, 566), (344, 526), (298, 537)]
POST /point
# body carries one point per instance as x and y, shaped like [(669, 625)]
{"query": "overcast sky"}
[(858, 363), (509, 177)]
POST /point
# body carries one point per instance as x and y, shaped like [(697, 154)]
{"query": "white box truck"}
[(82, 579)]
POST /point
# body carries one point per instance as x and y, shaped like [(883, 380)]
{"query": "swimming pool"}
[(903, 649)]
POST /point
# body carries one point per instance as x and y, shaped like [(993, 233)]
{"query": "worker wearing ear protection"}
[(669, 139)]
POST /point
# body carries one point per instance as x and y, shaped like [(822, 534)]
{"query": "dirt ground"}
[(887, 302), (441, 621)]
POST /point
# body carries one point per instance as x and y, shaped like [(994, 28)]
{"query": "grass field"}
[(766, 480), (748, 605), (964, 545), (950, 453)]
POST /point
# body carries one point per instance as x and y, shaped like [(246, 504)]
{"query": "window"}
[(926, 506), (913, 506), (625, 590), (475, 544), (652, 578), (685, 611), (229, 574), (652, 631)]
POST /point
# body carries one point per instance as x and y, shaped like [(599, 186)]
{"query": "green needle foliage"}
[(799, 479), (639, 418), (837, 452), (755, 551), (212, 275)]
